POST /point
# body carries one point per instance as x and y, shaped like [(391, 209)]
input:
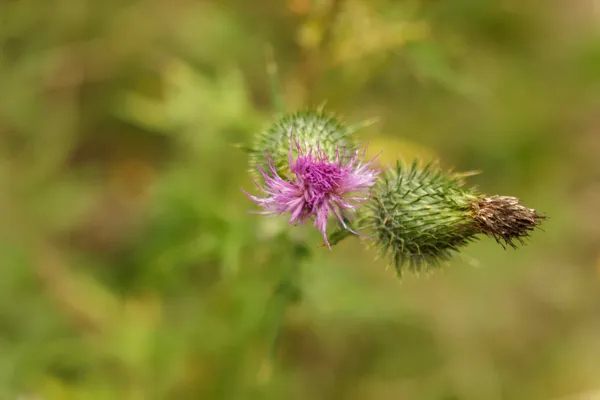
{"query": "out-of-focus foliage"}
[(131, 268)]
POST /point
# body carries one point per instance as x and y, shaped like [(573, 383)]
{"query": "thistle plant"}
[(311, 169), (308, 166)]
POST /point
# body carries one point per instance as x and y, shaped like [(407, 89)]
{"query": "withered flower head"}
[(505, 219)]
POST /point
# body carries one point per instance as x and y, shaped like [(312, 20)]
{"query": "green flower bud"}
[(420, 216), (311, 129)]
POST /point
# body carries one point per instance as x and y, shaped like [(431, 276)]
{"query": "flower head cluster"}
[(309, 168), (318, 186)]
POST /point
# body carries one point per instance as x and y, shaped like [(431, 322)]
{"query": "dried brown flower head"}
[(505, 219)]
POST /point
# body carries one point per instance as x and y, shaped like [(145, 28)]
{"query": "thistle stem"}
[(286, 293)]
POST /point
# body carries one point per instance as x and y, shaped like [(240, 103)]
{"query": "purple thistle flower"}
[(318, 186)]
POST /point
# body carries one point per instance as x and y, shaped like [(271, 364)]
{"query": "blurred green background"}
[(131, 268)]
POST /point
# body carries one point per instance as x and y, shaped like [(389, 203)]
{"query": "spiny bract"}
[(418, 215), (314, 129)]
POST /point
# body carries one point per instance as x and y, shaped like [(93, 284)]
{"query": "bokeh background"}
[(131, 268)]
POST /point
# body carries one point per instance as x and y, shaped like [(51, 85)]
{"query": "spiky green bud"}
[(421, 215), (310, 128)]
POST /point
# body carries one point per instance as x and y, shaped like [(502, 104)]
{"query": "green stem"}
[(286, 293)]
